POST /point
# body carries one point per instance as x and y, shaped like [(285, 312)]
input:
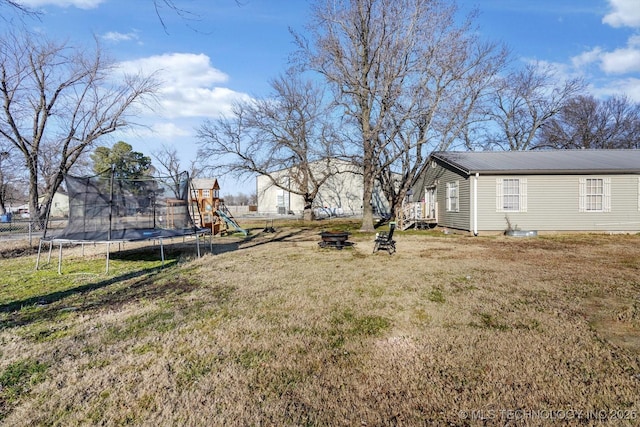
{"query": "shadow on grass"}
[(143, 285), (249, 242)]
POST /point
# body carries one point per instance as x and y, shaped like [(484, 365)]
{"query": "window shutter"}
[(448, 198), (582, 202), (606, 197), (457, 196), (523, 194), (499, 196)]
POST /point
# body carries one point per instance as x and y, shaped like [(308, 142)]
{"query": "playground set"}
[(208, 209)]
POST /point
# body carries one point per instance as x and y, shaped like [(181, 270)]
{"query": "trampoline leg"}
[(162, 253), (38, 258), (198, 244), (108, 247), (59, 258), (82, 250), (50, 250)]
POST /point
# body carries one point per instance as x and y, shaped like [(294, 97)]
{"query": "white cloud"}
[(117, 37), (619, 61), (80, 4), (169, 131), (190, 86), (629, 87), (179, 69), (586, 58), (151, 136), (165, 131), (625, 13)]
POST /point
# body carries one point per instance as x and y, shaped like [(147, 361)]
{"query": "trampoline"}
[(106, 209)]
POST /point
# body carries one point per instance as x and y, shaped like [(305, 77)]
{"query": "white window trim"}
[(522, 195), (449, 187), (606, 195)]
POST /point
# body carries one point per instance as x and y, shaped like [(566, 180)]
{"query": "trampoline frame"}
[(60, 242)]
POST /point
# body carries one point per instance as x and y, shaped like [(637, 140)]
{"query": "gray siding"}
[(439, 177), (553, 205)]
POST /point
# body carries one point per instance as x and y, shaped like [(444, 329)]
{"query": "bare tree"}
[(458, 76), (523, 102), (168, 163), (586, 122), (287, 137), (396, 67), (57, 101), (17, 6)]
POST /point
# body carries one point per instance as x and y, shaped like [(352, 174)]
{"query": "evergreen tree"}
[(128, 164)]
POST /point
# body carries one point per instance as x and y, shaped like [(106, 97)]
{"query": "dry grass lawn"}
[(451, 330)]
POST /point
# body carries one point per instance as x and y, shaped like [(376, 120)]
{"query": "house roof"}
[(205, 183), (542, 162)]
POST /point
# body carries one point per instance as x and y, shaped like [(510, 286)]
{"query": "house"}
[(341, 194), (557, 190), (59, 205)]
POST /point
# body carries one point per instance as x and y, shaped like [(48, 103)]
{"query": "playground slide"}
[(231, 222)]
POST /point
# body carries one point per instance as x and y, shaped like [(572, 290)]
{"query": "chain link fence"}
[(12, 228)]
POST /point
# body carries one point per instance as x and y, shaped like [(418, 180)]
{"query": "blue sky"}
[(224, 50)]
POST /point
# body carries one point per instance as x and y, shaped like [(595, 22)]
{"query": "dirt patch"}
[(16, 248)]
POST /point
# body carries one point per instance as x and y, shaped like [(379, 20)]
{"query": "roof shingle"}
[(543, 162)]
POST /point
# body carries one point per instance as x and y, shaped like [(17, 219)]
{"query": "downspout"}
[(475, 204)]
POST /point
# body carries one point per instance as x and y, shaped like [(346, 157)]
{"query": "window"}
[(452, 196), (205, 193), (511, 195), (595, 195), (216, 194)]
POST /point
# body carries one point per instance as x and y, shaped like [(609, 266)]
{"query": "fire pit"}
[(334, 239)]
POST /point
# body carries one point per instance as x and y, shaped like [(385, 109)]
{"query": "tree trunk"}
[(3, 191), (34, 206), (307, 213), (367, 197)]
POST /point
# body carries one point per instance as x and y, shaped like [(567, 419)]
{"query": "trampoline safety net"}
[(106, 208)]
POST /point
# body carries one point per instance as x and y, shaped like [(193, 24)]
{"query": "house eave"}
[(552, 172)]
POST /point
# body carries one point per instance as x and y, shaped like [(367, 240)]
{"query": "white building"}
[(340, 195)]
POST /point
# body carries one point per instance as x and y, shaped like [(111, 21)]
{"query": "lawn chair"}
[(385, 240)]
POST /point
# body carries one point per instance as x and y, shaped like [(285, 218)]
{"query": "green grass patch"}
[(17, 379), (141, 325), (490, 321), (195, 368), (45, 331), (436, 295), (352, 325), (249, 358)]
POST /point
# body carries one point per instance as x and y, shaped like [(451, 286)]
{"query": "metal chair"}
[(385, 240)]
